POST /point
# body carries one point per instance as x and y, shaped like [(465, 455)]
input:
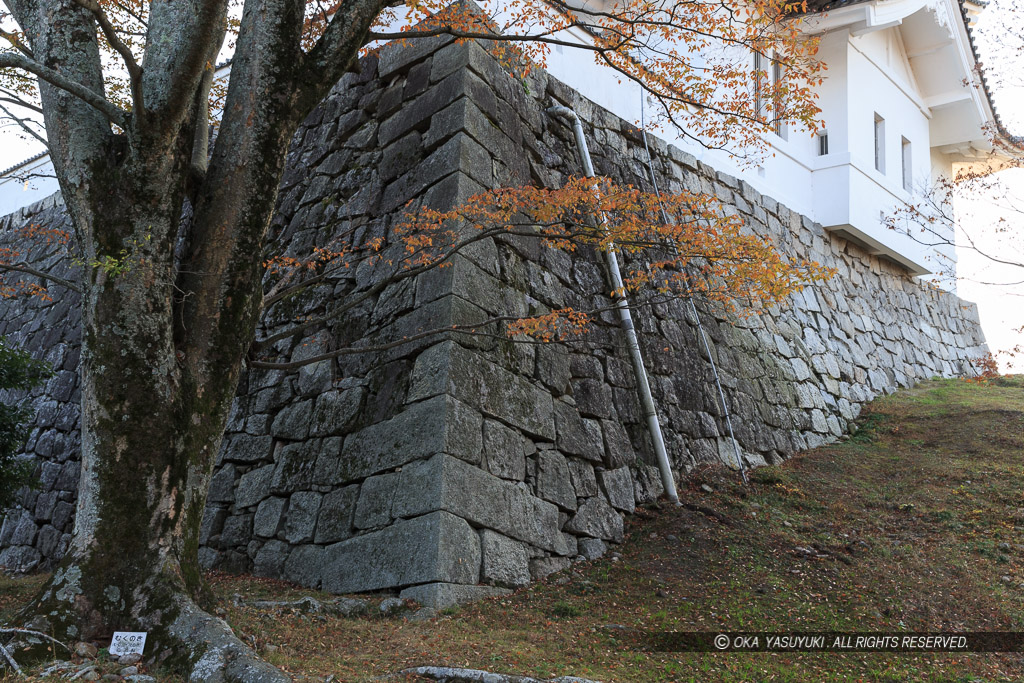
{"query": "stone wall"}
[(39, 530), (451, 460)]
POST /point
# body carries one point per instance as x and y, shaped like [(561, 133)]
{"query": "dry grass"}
[(917, 523)]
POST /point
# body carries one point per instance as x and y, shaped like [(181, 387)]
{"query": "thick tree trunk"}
[(163, 342), (151, 430)]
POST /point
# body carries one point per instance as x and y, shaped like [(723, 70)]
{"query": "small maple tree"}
[(170, 306)]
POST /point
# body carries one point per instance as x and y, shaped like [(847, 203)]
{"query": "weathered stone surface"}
[(20, 558), (267, 521), (543, 567), (503, 451), (300, 522), (592, 548), (328, 470), (437, 547), (375, 498), (296, 467), (222, 485), (335, 410), (245, 448), (270, 559), (647, 486), (576, 435), (237, 531), (292, 422), (584, 482), (618, 449), (618, 487), (305, 565), (449, 368), (337, 509), (443, 595), (505, 562), (598, 519), (553, 481), (253, 486), (446, 483), (437, 425)]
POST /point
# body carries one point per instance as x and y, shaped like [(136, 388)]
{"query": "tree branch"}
[(110, 33), (182, 42), (14, 40), (12, 98), (21, 122), (23, 268), (114, 114), (337, 48)]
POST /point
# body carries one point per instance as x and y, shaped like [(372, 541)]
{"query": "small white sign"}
[(128, 643)]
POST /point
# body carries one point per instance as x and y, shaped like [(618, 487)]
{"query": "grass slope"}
[(916, 523)]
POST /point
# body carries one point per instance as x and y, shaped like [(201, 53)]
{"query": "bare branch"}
[(11, 98), (21, 122), (113, 113)]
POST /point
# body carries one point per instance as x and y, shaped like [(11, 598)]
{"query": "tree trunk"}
[(163, 342), (151, 430)]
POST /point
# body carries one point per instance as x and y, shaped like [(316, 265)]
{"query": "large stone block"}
[(444, 595), (476, 381), (460, 154), (597, 519), (375, 499), (445, 483), (439, 425), (270, 559), (618, 448), (305, 566), (328, 470), (300, 523), (576, 435), (335, 410), (293, 421), (504, 454), (245, 448), (505, 562), (437, 547), (253, 486), (267, 521), (222, 485), (553, 480), (336, 512), (583, 480), (647, 484), (618, 487), (296, 467)]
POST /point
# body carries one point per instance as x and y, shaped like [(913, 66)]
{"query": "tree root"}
[(217, 654)]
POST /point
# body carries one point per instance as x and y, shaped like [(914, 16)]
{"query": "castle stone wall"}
[(456, 459)]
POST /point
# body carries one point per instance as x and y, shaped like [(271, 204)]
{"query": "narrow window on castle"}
[(822, 143), (879, 143), (777, 75), (758, 83), (908, 173)]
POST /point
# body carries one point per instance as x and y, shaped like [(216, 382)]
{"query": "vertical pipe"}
[(696, 318), (626, 319)]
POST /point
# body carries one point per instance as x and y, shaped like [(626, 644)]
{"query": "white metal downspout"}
[(621, 303)]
